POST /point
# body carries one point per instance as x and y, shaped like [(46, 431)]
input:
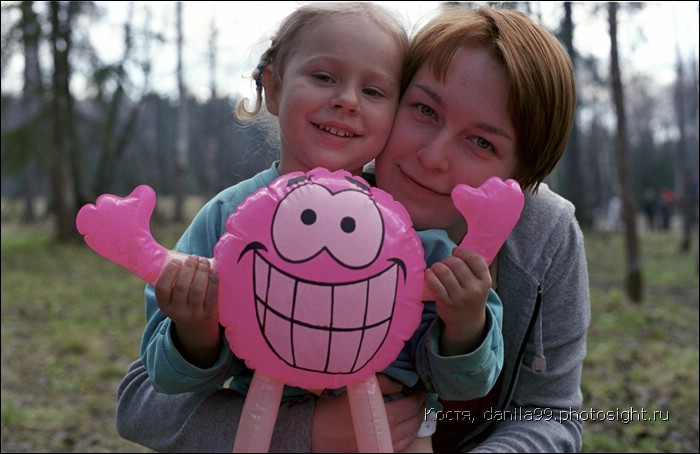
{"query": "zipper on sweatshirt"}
[(488, 428)]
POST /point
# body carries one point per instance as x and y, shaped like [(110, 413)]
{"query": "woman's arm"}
[(545, 404)]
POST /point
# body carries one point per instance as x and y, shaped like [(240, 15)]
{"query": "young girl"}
[(332, 78)]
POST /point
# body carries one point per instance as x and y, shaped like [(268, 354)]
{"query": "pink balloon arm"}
[(117, 228), (491, 211), (369, 417), (259, 414)]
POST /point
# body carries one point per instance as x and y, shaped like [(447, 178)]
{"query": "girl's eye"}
[(323, 77), (425, 110), (373, 92)]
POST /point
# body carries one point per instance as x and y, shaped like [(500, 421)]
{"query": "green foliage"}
[(72, 323)]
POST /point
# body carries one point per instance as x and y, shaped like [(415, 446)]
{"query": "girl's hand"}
[(187, 294), (460, 285)]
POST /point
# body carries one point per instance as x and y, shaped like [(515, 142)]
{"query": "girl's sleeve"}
[(462, 377), (168, 370)]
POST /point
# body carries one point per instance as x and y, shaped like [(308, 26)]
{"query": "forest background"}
[(78, 125)]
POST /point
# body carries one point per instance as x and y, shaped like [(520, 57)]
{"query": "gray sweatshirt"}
[(543, 284)]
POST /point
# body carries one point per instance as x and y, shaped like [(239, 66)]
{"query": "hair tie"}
[(258, 80)]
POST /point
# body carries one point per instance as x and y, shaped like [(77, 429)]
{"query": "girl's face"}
[(446, 133), (338, 95)]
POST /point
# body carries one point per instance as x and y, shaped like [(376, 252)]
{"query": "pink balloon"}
[(312, 302), (320, 279), (491, 212)]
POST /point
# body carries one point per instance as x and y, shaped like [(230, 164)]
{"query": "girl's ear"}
[(271, 88)]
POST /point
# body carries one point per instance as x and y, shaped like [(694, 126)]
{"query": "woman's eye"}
[(483, 143), (425, 110)]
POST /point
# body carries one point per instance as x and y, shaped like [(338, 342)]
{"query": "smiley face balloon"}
[(320, 279)]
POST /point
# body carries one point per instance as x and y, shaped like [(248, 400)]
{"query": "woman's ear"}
[(271, 88)]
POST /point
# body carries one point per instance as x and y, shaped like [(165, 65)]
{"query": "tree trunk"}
[(31, 98), (633, 279), (181, 160), (212, 151), (575, 188), (686, 180), (121, 113), (63, 195)]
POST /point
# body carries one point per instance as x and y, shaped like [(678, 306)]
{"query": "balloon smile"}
[(330, 328)]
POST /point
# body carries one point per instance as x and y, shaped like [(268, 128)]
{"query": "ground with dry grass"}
[(72, 322)]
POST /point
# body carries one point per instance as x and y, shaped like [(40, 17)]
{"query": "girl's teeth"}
[(336, 132)]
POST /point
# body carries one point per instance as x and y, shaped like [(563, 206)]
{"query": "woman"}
[(492, 93)]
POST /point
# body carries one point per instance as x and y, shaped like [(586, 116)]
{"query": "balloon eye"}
[(347, 224), (308, 216)]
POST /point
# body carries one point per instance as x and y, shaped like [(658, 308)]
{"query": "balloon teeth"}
[(324, 327)]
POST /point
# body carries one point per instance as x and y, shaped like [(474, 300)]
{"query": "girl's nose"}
[(346, 99)]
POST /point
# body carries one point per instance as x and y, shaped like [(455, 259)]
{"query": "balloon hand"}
[(118, 229), (491, 212)]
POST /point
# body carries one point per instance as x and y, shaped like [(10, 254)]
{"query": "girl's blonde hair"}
[(286, 39)]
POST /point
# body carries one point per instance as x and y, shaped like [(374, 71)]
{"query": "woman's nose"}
[(433, 155)]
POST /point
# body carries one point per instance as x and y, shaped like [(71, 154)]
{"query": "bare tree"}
[(686, 175), (181, 159), (212, 150), (119, 114), (575, 188), (633, 278), (63, 196), (32, 98)]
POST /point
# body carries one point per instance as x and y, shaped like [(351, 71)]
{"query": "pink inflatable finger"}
[(491, 212), (118, 229)]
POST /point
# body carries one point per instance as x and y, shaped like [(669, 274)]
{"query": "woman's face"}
[(446, 133)]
